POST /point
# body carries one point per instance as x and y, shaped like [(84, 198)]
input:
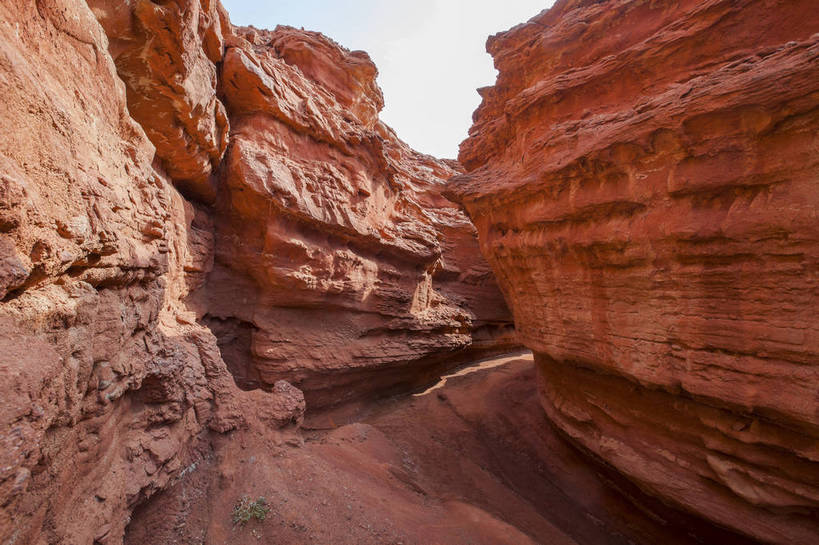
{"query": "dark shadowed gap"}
[(234, 338)]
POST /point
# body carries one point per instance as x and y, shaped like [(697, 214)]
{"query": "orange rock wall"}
[(105, 377), (644, 178), (166, 53)]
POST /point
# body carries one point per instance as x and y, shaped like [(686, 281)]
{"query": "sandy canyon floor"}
[(471, 461)]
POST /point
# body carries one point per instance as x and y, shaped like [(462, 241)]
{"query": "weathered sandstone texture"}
[(106, 379), (118, 194), (166, 53), (644, 178), (338, 266)]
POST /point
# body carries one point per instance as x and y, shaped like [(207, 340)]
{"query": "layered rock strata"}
[(643, 177), (106, 379), (336, 256), (120, 187)]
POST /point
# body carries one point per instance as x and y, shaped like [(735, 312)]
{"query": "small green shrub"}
[(246, 509)]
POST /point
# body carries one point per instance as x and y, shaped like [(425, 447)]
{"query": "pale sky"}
[(430, 54)]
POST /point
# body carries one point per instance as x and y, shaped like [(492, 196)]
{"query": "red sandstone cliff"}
[(106, 380), (644, 178), (163, 180), (336, 258)]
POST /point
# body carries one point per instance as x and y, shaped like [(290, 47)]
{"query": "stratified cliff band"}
[(644, 178), (206, 230), (189, 210)]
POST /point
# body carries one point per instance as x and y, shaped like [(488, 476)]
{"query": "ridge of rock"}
[(643, 177)]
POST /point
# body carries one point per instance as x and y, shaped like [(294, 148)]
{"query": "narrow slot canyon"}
[(236, 307)]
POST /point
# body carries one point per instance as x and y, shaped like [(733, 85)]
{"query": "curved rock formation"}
[(643, 177), (328, 234), (166, 53)]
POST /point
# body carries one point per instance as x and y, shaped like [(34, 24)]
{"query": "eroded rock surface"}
[(643, 177), (104, 377), (116, 200), (336, 256), (166, 53)]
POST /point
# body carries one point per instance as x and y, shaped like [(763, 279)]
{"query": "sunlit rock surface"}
[(167, 54), (644, 178), (339, 266), (320, 240)]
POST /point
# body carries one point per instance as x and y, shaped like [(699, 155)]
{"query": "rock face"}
[(105, 378), (643, 177), (328, 235), (166, 53), (336, 256)]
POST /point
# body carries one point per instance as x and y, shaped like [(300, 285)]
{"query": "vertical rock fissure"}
[(234, 338)]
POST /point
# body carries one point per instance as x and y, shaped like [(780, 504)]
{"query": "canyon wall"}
[(106, 379), (188, 211), (644, 178), (351, 263)]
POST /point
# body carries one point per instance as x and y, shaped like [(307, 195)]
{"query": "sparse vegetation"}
[(246, 509)]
